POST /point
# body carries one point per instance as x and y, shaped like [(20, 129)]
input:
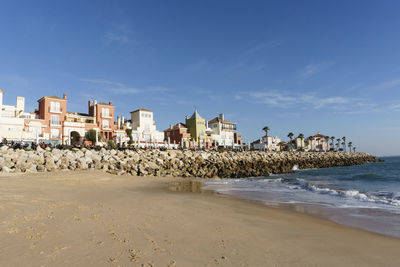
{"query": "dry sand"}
[(96, 219)]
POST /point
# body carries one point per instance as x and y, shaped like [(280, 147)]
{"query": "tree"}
[(310, 139), (129, 133), (91, 136), (332, 144), (111, 144), (354, 149), (337, 144), (301, 136), (350, 144), (290, 135), (266, 129), (344, 143), (327, 142)]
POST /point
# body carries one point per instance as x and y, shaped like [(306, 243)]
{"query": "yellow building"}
[(197, 126)]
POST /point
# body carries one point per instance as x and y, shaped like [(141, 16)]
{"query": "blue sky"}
[(296, 66)]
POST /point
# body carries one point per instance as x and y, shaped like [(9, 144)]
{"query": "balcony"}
[(53, 110), (55, 124), (106, 115), (107, 128), (55, 136)]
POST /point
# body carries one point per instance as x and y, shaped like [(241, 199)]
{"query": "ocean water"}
[(365, 196)]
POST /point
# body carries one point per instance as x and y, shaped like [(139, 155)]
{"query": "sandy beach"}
[(90, 218)]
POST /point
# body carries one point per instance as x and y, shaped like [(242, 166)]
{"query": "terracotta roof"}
[(319, 135), (102, 103), (53, 97), (142, 109), (176, 126), (217, 119)]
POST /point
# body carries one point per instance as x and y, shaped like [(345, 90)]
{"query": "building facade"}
[(267, 143), (144, 132), (177, 134), (319, 143), (199, 131), (222, 131)]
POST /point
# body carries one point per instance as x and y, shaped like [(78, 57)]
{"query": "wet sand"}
[(90, 218)]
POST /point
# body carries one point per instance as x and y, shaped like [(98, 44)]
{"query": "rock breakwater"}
[(174, 163)]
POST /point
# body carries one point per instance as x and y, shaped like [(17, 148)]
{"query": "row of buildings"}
[(317, 142), (51, 122)]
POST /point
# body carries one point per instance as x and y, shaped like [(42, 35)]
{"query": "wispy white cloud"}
[(119, 34), (246, 61), (312, 69), (395, 106), (307, 100), (389, 84), (121, 88)]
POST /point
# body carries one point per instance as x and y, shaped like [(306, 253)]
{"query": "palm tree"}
[(266, 129), (301, 136), (310, 139), (290, 135), (332, 140), (327, 141), (350, 144), (354, 149), (337, 144), (344, 143)]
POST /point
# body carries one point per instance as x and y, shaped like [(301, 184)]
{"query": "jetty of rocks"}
[(174, 163)]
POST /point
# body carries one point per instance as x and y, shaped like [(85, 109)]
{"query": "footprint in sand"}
[(134, 254)]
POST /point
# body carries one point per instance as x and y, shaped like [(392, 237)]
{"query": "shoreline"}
[(92, 218), (314, 210)]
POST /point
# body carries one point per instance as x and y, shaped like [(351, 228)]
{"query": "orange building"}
[(104, 114), (52, 122), (52, 110), (177, 134)]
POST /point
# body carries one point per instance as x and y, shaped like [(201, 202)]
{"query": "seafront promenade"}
[(174, 163)]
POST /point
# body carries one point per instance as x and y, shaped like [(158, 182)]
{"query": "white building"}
[(267, 143), (13, 123), (222, 131), (144, 132)]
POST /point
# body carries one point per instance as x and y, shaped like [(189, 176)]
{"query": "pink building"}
[(319, 143), (53, 122)]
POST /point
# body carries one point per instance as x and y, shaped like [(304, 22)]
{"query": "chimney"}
[(110, 103), (119, 122), (170, 126), (123, 120), (206, 124), (221, 116), (65, 96)]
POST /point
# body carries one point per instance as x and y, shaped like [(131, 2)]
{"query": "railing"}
[(53, 110), (106, 115), (106, 127), (55, 123)]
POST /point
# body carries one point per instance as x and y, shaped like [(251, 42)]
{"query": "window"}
[(106, 124), (55, 107), (145, 115), (55, 120), (55, 133), (105, 112)]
